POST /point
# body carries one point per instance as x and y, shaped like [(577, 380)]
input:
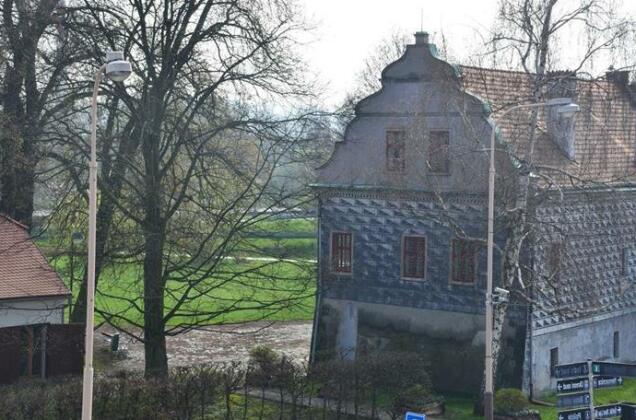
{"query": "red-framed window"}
[(463, 261), (395, 146), (341, 252), (438, 156), (414, 257)]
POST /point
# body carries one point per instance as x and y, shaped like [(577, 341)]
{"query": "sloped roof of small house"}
[(24, 271), (605, 128)]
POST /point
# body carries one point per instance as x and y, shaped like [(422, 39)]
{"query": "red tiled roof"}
[(24, 272), (605, 130)]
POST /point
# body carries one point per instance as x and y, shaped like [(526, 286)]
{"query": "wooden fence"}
[(43, 351)]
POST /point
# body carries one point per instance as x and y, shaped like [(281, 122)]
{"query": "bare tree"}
[(193, 157), (39, 47), (527, 33)]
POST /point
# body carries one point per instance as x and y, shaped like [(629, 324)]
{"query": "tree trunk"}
[(154, 338), (18, 181), (154, 235), (499, 319), (17, 168)]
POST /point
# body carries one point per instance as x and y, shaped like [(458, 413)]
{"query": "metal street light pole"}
[(117, 69), (568, 109)]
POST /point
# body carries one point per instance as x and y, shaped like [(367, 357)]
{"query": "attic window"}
[(438, 159), (395, 140), (341, 252)]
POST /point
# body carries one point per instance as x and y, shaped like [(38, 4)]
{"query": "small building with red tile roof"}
[(31, 292), (402, 222)]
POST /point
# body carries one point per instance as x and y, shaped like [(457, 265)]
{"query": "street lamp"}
[(117, 69), (566, 109)]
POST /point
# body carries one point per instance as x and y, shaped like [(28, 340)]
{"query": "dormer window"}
[(395, 140), (438, 158)]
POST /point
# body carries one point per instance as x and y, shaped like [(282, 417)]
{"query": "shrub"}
[(263, 356), (510, 400), (391, 380), (383, 381), (413, 398), (186, 394), (263, 364)]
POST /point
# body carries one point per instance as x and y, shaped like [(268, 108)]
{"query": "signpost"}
[(574, 390), (607, 411), (628, 411), (569, 371), (602, 412), (574, 400), (616, 369), (580, 414), (583, 384), (607, 381), (573, 385), (414, 416)]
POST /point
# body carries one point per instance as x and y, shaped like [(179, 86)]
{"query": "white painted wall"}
[(586, 339), (34, 311)]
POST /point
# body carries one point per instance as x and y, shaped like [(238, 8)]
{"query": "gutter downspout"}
[(314, 333)]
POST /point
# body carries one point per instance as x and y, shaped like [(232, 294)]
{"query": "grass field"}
[(285, 238), (248, 285)]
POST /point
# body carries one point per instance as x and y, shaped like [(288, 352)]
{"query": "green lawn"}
[(247, 290), (285, 238), (249, 285)]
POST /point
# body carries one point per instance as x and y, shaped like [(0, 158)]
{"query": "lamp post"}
[(118, 70), (567, 109)]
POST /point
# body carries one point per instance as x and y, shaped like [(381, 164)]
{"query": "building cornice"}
[(383, 192), (537, 331)]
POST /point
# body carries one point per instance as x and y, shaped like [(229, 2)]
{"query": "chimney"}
[(561, 84), (620, 77), (421, 38)]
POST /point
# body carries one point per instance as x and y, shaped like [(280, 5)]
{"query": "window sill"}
[(341, 273), (413, 279), (461, 284)]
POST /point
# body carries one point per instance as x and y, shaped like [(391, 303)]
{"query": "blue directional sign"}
[(573, 400), (617, 369), (573, 385), (628, 411), (601, 412), (607, 381), (583, 384), (580, 414), (571, 370), (608, 411), (414, 416)]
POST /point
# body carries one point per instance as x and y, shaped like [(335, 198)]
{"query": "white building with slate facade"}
[(402, 220)]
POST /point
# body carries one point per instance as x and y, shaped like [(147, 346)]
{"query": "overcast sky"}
[(347, 31)]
